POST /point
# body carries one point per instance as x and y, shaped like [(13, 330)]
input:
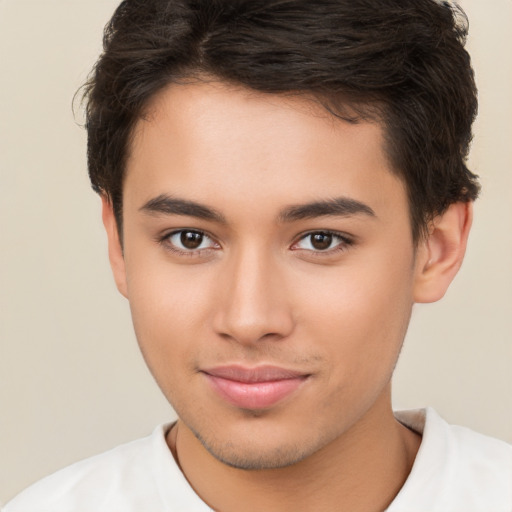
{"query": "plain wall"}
[(72, 380)]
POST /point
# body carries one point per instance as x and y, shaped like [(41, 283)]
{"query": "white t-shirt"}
[(456, 470)]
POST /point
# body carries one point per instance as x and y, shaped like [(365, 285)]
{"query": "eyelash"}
[(345, 242), (165, 241)]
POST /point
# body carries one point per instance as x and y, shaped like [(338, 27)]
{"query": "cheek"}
[(360, 316), (360, 333), (166, 327), (169, 308)]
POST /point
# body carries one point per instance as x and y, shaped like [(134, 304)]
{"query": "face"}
[(270, 268)]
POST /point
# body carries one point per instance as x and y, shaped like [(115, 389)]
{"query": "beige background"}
[(72, 381)]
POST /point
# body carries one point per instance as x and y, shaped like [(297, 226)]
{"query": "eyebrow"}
[(167, 205), (339, 206)]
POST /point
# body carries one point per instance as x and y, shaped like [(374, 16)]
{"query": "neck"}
[(361, 471)]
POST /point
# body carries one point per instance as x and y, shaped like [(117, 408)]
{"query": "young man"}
[(281, 181)]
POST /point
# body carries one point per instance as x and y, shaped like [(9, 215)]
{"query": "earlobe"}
[(115, 250), (440, 255)]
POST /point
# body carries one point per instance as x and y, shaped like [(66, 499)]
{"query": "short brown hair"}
[(400, 62)]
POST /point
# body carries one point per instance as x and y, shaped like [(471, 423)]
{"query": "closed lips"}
[(254, 388)]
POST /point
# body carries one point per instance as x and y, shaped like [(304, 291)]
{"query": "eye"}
[(322, 241), (188, 240)]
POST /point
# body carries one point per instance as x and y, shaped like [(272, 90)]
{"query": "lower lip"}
[(254, 395)]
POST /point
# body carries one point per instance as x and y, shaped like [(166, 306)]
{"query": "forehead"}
[(249, 146)]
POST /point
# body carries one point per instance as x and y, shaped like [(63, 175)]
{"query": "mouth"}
[(254, 388)]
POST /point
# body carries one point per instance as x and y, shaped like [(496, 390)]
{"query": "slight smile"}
[(254, 388)]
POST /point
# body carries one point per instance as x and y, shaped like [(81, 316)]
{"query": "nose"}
[(253, 305)]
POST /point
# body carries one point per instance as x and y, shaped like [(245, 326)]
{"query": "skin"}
[(258, 292)]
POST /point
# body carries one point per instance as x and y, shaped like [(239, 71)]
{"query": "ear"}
[(439, 256), (115, 250)]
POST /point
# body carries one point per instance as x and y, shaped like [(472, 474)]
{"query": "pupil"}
[(321, 241), (191, 240)]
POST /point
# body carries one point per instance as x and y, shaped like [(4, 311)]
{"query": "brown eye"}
[(188, 240), (191, 239), (321, 241)]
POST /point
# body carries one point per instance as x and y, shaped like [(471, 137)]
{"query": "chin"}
[(260, 455)]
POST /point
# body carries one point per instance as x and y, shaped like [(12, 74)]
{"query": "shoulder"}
[(120, 479), (481, 460), (456, 469)]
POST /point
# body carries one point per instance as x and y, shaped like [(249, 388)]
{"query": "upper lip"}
[(264, 373)]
